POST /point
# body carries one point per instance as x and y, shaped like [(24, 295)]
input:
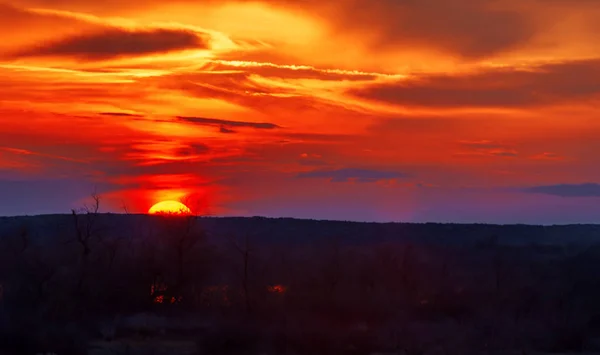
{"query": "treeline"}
[(233, 294)]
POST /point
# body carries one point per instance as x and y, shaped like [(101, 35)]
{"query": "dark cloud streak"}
[(120, 114), (542, 85), (116, 42), (360, 175), (226, 123)]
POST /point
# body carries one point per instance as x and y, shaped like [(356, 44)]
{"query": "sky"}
[(383, 110)]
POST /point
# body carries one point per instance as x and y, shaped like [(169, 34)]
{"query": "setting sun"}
[(169, 207)]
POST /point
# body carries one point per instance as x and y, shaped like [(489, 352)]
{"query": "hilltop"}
[(304, 231)]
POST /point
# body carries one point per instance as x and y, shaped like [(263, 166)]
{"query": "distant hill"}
[(291, 231)]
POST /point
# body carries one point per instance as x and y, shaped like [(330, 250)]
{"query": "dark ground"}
[(107, 283)]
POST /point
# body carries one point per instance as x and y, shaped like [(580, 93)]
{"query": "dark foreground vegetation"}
[(129, 284)]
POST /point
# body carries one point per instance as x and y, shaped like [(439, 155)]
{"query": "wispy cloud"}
[(291, 71), (150, 152), (547, 156), (227, 123), (359, 175), (487, 147), (567, 190), (27, 152), (120, 114), (491, 87)]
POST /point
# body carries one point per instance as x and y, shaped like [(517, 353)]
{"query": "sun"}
[(170, 207)]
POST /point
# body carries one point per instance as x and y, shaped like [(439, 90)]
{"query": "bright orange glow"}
[(169, 207), (422, 103)]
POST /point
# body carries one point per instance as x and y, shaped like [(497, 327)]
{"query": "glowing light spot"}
[(277, 289)]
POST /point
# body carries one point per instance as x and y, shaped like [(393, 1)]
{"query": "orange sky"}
[(429, 110)]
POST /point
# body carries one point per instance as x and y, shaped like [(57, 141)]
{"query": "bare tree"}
[(124, 206), (85, 222), (245, 251), (84, 232)]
